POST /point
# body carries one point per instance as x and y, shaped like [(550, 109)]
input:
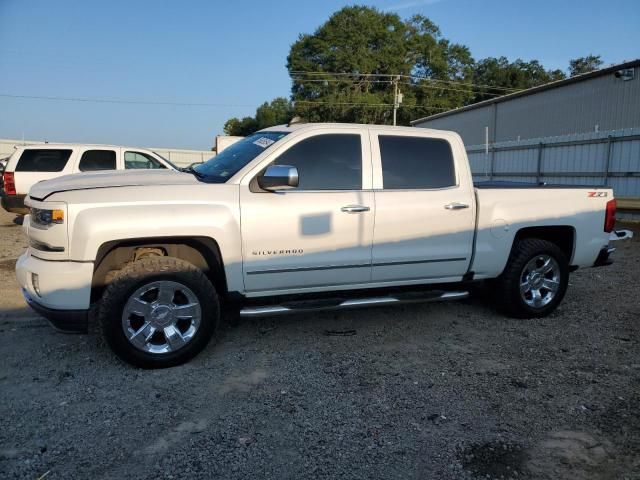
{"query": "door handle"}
[(456, 206), (355, 208)]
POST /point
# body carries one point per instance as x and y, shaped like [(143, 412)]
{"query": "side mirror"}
[(278, 177)]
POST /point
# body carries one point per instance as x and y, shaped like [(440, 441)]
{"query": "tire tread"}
[(130, 276), (508, 283)]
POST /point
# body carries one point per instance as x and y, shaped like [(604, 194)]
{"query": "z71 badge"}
[(596, 194)]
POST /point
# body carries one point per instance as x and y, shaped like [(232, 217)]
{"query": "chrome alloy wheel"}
[(161, 317), (540, 281)]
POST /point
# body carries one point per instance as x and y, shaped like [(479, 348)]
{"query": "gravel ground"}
[(443, 391)]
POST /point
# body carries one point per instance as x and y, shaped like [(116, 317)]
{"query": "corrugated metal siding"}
[(479, 163), (583, 157), (603, 101), (470, 124), (515, 161)]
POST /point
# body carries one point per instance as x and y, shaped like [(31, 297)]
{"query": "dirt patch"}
[(8, 265), (572, 454)]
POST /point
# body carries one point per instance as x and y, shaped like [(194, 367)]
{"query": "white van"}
[(31, 164)]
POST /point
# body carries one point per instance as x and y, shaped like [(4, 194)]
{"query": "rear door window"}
[(416, 163), (43, 160), (95, 160)]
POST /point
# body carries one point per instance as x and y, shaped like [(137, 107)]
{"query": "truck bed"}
[(508, 184), (502, 213)]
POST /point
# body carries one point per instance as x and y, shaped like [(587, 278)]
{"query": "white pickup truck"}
[(293, 218)]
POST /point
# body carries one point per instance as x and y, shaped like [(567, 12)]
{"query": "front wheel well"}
[(202, 252), (561, 235)]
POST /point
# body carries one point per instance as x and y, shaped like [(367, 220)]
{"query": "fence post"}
[(608, 160), (539, 167), (491, 162)]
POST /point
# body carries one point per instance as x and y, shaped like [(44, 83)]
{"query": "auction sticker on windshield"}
[(264, 142)]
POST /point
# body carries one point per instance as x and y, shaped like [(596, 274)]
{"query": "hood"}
[(110, 179)]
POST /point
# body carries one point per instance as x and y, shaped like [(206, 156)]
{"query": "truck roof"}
[(305, 126)]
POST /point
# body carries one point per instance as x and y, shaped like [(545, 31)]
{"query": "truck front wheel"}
[(159, 312), (535, 279)]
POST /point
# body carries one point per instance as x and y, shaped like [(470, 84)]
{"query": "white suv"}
[(33, 163)]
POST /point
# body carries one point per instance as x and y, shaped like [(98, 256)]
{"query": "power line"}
[(455, 82), (375, 105), (434, 87), (412, 77), (129, 102), (195, 104), (336, 80)]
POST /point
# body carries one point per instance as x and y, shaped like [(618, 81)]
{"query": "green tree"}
[(279, 111), (337, 69), (346, 70), (498, 76), (242, 128), (581, 65), (232, 126)]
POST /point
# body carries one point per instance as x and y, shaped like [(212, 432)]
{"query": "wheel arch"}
[(564, 236), (203, 252)]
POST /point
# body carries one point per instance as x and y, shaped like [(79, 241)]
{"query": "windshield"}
[(226, 164)]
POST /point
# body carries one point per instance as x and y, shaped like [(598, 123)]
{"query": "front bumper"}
[(14, 204), (68, 321), (58, 290)]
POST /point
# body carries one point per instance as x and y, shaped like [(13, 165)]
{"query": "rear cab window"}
[(43, 160), (416, 163)]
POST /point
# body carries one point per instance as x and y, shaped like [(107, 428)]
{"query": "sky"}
[(231, 56)]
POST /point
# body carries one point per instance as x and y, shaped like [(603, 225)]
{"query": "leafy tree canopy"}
[(581, 65), (279, 111), (358, 41), (346, 70), (498, 76)]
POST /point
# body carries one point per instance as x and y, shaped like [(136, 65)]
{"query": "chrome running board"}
[(340, 304)]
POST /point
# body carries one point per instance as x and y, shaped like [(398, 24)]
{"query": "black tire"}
[(507, 287), (137, 275)]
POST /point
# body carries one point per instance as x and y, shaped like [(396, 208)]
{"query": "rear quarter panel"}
[(504, 212)]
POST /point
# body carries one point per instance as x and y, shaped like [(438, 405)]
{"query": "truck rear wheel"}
[(535, 279), (159, 312)]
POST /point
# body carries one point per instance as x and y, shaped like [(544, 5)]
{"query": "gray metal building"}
[(581, 130)]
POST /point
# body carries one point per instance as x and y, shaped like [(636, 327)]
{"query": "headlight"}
[(44, 217)]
